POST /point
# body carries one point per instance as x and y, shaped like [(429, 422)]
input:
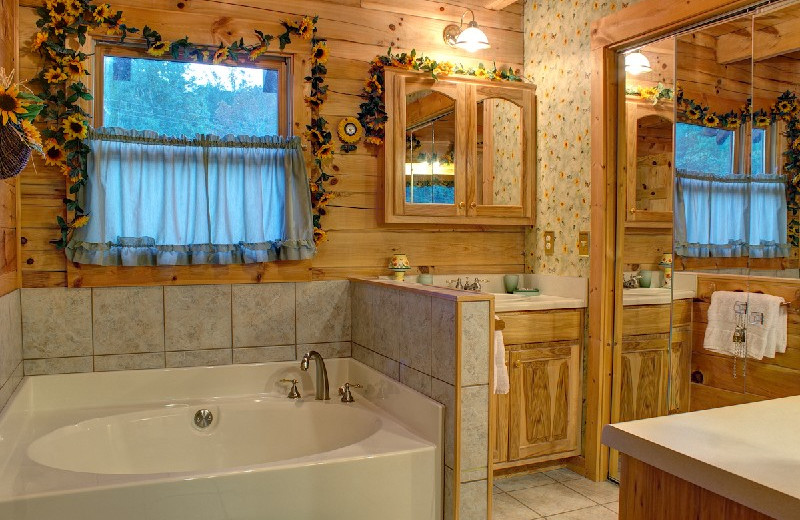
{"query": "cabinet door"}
[(501, 410), (680, 368), (645, 368), (545, 402), (649, 162), (505, 153)]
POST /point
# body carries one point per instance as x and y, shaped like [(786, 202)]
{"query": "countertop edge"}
[(722, 482)]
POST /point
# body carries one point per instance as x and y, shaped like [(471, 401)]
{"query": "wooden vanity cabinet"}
[(539, 419)]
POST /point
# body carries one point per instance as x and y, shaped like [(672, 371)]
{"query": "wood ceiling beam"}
[(497, 5), (778, 39)]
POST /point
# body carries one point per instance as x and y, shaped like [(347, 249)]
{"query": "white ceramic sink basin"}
[(653, 295)]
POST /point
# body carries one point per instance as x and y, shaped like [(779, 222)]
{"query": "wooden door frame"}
[(626, 28)]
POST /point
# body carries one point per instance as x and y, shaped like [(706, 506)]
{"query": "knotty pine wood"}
[(534, 327), (359, 243), (767, 378), (649, 493)]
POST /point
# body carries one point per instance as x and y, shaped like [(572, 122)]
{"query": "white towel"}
[(722, 321), (500, 370), (766, 326)]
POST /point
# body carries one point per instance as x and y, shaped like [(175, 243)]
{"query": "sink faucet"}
[(321, 387), (632, 282)]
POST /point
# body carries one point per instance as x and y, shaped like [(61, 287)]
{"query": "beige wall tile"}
[(472, 501), (197, 317), (364, 355), (475, 346), (56, 322), (264, 354), (129, 361), (445, 394), (338, 349), (415, 379), (443, 340), (449, 494), (386, 323), (128, 320), (361, 314), (198, 358), (323, 311), (263, 314), (36, 367), (474, 431), (11, 384), (415, 331), (10, 335)]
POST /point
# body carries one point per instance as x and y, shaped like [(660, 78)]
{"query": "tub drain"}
[(203, 418)]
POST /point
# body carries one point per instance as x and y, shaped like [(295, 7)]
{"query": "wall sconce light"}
[(470, 38), (637, 63)]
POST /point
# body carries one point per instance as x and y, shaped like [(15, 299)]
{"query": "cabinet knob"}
[(473, 204), (633, 210), (461, 204), (517, 364)]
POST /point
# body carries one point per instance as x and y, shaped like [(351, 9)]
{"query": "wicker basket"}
[(14, 153)]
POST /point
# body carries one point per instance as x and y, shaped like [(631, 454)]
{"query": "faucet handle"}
[(344, 391), (293, 393)]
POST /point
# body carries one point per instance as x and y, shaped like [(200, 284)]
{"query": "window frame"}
[(280, 62)]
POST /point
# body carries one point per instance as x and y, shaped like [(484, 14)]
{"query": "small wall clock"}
[(350, 133)]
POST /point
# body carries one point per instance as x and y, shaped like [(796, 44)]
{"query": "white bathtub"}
[(123, 445)]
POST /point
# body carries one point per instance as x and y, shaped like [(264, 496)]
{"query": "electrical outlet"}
[(549, 243), (583, 243)]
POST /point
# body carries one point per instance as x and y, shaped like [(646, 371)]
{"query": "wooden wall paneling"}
[(358, 242), (9, 188)]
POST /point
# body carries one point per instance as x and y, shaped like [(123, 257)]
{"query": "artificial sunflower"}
[(53, 153), (314, 136), (324, 200), (711, 120), (444, 68), (762, 121), (114, 26), (38, 40), (74, 68), (74, 127), (481, 73), (319, 236), (693, 113), (31, 134), (158, 48), (733, 123), (373, 86), (319, 53), (80, 221), (11, 104), (313, 102), (783, 106), (257, 51), (325, 151), (63, 9), (374, 139), (221, 55), (306, 28), (55, 75), (101, 12)]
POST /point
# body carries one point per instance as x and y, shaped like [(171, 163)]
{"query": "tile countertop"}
[(748, 453)]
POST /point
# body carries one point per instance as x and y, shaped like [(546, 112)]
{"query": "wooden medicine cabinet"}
[(458, 150)]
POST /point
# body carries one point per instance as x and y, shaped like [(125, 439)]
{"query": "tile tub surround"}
[(10, 345), (436, 341), (127, 328)]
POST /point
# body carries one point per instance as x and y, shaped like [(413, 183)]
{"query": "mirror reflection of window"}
[(758, 151), (704, 150), (430, 148)]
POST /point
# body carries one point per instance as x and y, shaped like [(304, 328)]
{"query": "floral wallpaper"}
[(557, 60), (507, 141)]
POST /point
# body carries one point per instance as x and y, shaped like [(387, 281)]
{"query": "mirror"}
[(430, 148), (500, 152)]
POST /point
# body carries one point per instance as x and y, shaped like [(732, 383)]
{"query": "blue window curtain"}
[(157, 200), (730, 216)]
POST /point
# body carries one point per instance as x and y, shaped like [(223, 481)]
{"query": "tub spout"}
[(322, 392)]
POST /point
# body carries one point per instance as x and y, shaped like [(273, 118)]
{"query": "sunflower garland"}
[(373, 115), (62, 23)]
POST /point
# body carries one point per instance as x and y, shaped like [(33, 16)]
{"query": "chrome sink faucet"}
[(632, 282), (322, 391)]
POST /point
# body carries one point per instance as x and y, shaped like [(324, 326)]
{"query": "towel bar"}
[(790, 307)]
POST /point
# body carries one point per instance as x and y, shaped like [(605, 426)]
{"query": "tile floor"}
[(554, 495)]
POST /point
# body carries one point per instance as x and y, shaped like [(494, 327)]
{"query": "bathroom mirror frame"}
[(640, 23), (466, 209)]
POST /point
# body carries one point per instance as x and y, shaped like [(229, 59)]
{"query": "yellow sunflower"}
[(11, 104), (373, 139), (444, 68), (783, 106), (74, 127), (693, 113), (74, 68), (313, 101), (325, 151), (257, 51), (53, 153), (114, 27), (220, 56), (733, 124), (373, 85), (319, 53), (306, 28), (762, 121), (796, 144), (31, 133), (38, 41), (80, 221), (324, 200), (319, 236), (55, 75), (711, 120), (158, 48), (481, 73), (314, 136), (63, 9), (101, 12)]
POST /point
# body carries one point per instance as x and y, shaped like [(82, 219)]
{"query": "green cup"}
[(510, 282), (646, 278)]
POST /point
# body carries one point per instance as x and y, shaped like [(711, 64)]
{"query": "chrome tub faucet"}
[(322, 391)]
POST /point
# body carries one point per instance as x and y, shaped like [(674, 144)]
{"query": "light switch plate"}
[(583, 243), (549, 243)]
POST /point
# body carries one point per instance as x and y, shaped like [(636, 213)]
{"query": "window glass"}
[(704, 150), (177, 98), (758, 151)]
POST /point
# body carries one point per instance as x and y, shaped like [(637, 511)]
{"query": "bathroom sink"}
[(653, 295)]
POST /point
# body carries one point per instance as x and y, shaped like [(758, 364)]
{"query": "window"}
[(189, 167), (177, 98), (721, 211)]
